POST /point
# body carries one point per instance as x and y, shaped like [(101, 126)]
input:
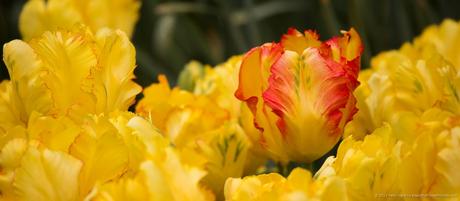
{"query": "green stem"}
[(283, 169)]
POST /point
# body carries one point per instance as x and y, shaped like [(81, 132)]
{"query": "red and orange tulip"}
[(300, 92)]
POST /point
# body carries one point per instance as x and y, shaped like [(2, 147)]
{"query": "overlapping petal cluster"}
[(403, 142), (300, 93), (203, 122), (66, 133), (68, 73)]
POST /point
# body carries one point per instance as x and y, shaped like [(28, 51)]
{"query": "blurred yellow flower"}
[(445, 38), (68, 134), (409, 80), (298, 186), (204, 132), (369, 167), (361, 124), (220, 83), (69, 73), (299, 92), (415, 156), (38, 16), (413, 79), (163, 175), (102, 150), (432, 155)]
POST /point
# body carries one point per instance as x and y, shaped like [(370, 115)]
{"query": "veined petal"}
[(67, 60), (115, 71), (55, 133), (69, 73), (253, 81), (313, 92), (11, 116), (47, 175), (159, 99), (28, 92), (102, 151)]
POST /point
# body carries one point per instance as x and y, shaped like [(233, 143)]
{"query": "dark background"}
[(170, 33)]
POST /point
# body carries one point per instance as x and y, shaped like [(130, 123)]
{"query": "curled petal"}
[(298, 42), (309, 94)]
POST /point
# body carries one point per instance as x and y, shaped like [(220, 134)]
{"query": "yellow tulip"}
[(299, 185), (416, 156), (369, 168), (163, 175), (299, 92), (219, 84), (413, 79), (102, 149), (39, 16), (68, 133), (38, 173), (204, 132), (432, 155), (410, 80), (445, 38), (70, 73)]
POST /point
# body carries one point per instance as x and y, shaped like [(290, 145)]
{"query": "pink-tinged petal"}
[(298, 42)]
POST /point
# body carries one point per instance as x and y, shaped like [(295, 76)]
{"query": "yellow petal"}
[(103, 153), (55, 134), (28, 92), (39, 16), (69, 73), (220, 83), (67, 58), (159, 100), (114, 14), (10, 117), (445, 38), (115, 71), (47, 175)]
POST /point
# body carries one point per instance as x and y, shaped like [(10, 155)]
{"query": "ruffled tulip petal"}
[(103, 153), (310, 89), (47, 175)]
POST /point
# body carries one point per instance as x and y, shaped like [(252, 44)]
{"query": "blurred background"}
[(171, 33)]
